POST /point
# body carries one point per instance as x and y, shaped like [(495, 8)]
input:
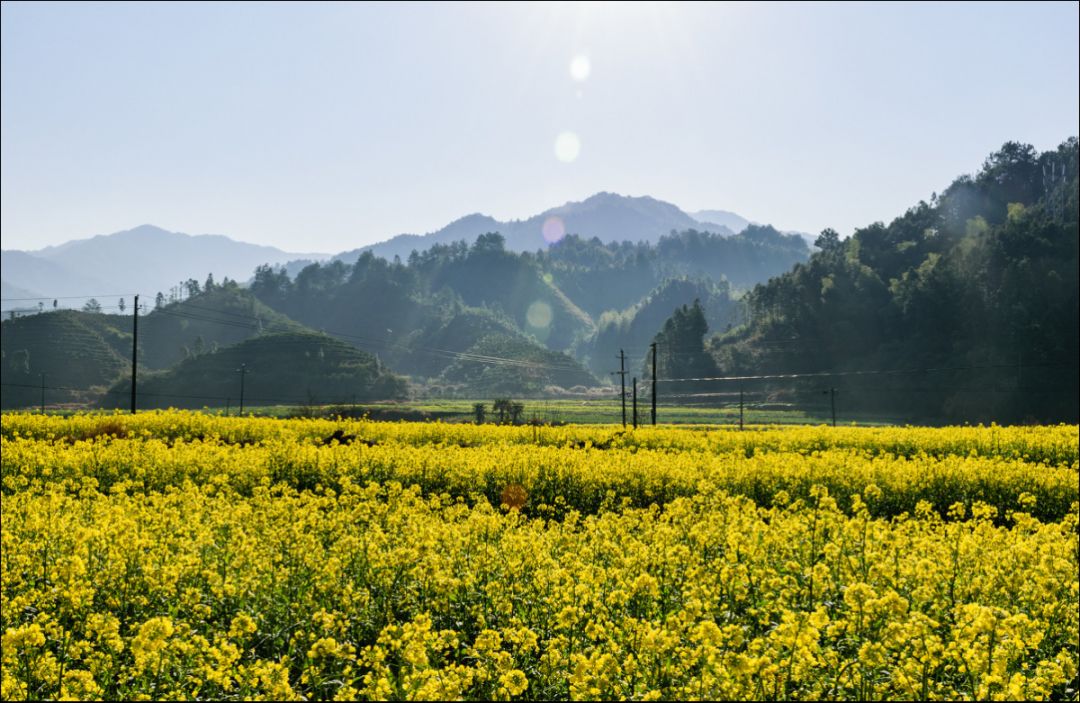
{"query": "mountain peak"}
[(606, 197), (146, 229), (473, 218), (609, 216)]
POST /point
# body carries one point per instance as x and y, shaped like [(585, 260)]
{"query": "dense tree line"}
[(680, 350), (976, 288), (420, 324), (600, 277), (634, 328), (465, 298)]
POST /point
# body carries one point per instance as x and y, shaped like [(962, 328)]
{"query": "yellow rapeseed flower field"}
[(175, 555)]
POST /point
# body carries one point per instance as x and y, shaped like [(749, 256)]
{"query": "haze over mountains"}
[(607, 216), (472, 309), (25, 275), (148, 259), (736, 223), (145, 260)]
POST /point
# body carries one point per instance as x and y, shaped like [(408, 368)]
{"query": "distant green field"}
[(561, 411), (576, 411)]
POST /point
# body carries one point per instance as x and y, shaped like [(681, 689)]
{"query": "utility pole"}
[(635, 402), (243, 372), (832, 397), (653, 345), (134, 350), (42, 392), (622, 384), (740, 409)]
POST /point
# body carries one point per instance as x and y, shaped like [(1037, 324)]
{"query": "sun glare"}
[(567, 147), (580, 68)]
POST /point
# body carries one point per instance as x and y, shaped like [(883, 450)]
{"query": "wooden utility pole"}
[(243, 372), (832, 397), (653, 382), (622, 384), (42, 392), (134, 351), (740, 409), (635, 402)]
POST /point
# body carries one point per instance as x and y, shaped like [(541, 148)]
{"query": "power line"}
[(261, 399), (187, 396), (453, 355), (386, 343), (257, 322), (833, 374), (456, 355), (69, 297)]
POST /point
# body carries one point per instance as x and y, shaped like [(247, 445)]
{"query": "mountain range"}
[(148, 259), (145, 260), (607, 216)]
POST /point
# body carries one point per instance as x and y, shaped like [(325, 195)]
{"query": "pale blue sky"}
[(325, 127)]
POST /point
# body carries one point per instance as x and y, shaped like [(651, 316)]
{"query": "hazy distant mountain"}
[(736, 223), (613, 218), (12, 296), (467, 228), (607, 216), (144, 260), (26, 275)]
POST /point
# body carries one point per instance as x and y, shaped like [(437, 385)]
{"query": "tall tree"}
[(681, 348)]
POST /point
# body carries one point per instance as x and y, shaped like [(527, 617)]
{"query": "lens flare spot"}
[(580, 68), (553, 229), (567, 147), (539, 315), (548, 278), (514, 496)]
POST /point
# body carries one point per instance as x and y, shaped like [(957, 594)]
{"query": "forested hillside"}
[(600, 277), (81, 353), (975, 289), (632, 330), (214, 317), (487, 274), (71, 352), (457, 299), (281, 368), (419, 326)]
